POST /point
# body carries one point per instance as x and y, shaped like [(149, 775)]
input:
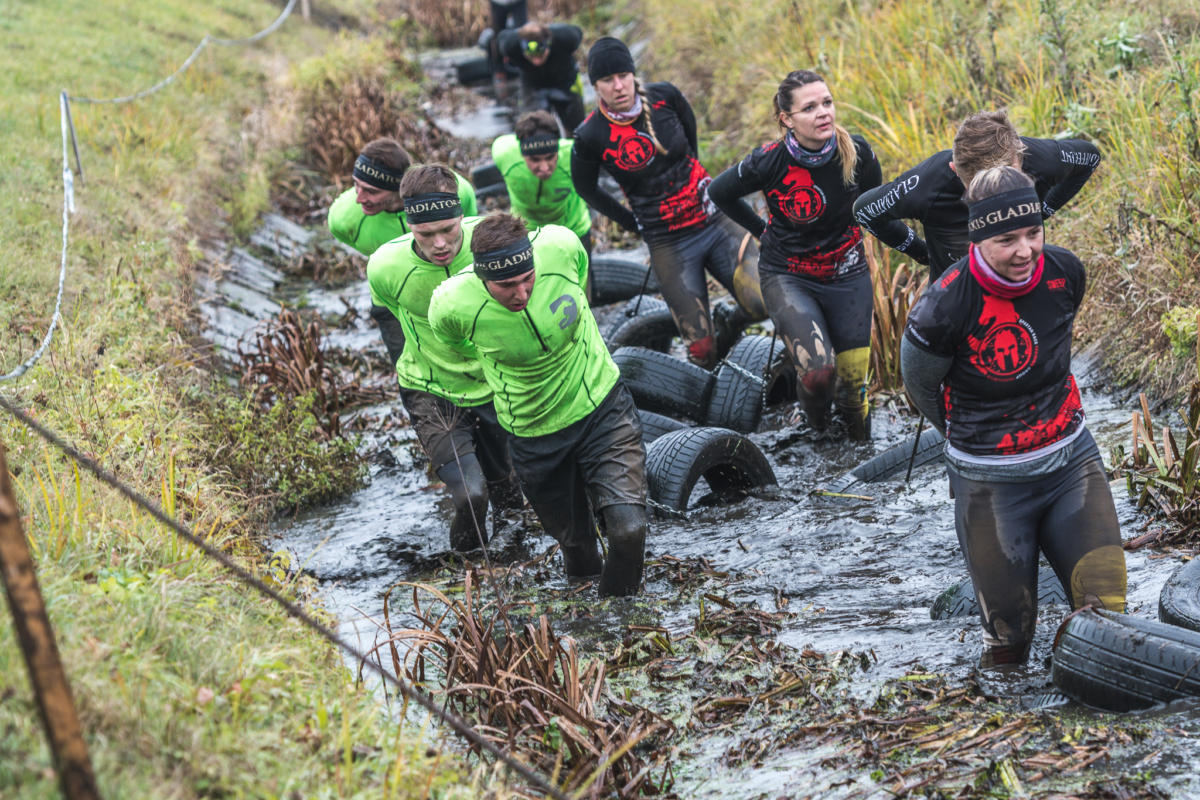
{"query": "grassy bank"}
[(187, 684), (1124, 75)]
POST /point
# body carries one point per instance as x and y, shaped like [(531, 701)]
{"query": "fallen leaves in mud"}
[(626, 721)]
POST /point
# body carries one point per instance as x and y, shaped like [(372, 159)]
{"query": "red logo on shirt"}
[(631, 149), (802, 201), (1056, 283), (1009, 347)]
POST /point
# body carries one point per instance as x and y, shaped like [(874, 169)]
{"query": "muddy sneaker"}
[(581, 561)]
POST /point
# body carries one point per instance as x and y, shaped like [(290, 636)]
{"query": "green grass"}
[(187, 685), (904, 74)]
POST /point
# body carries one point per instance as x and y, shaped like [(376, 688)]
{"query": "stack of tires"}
[(694, 421), (1118, 662)]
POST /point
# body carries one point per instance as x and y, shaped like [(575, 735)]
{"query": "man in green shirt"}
[(371, 212), (447, 398), (575, 434), (536, 166)]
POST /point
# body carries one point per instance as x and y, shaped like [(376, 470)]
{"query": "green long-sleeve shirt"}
[(547, 364), (403, 282), (349, 224), (553, 201)]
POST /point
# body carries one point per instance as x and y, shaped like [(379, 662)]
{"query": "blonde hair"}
[(662, 151), (996, 180), (847, 152)]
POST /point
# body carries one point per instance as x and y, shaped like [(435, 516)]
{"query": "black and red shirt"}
[(667, 193), (932, 193), (1009, 389), (810, 226)]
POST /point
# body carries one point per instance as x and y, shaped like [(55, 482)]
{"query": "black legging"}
[(1068, 515)]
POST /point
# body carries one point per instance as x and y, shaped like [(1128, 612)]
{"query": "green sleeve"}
[(344, 216), (466, 195)]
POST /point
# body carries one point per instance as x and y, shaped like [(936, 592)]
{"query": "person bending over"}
[(575, 434), (371, 212), (815, 281), (986, 356), (932, 191), (645, 138), (443, 390), (550, 80)]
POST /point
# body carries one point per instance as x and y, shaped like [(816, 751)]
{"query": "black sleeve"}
[(868, 173), (882, 211), (1065, 164), (508, 45), (565, 37), (390, 330), (727, 191), (585, 175), (923, 373), (687, 117)]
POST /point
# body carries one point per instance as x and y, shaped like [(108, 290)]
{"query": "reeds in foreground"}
[(526, 688)]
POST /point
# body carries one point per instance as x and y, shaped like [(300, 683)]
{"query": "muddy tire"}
[(620, 276), (960, 601), (652, 327), (767, 357), (893, 461), (1179, 600), (728, 462), (736, 401), (1117, 662), (663, 383), (486, 174), (473, 72), (656, 425)]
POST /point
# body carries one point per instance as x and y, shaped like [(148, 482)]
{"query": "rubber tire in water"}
[(651, 327), (1118, 662), (487, 174), (729, 463), (893, 461), (474, 71), (960, 601), (619, 276), (1179, 600), (753, 352), (736, 401), (656, 425), (663, 383)]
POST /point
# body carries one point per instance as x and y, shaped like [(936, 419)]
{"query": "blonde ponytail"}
[(662, 151)]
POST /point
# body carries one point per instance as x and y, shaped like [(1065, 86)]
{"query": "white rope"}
[(68, 209), (69, 178), (190, 59)]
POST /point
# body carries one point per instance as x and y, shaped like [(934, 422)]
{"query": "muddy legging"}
[(679, 263), (826, 327), (1068, 514)]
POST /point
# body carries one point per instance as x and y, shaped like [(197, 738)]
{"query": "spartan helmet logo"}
[(1008, 350), (632, 150), (802, 201)]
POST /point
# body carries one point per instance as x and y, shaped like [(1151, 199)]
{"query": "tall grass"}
[(905, 74)]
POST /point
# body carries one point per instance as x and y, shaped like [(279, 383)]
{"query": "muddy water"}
[(858, 574)]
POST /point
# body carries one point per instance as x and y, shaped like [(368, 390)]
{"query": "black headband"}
[(540, 145), (376, 174), (507, 262), (432, 207), (1004, 212)]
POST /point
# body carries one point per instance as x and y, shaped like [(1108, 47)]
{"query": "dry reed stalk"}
[(525, 687), (897, 284)]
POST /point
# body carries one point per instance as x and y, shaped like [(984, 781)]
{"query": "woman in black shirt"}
[(814, 275)]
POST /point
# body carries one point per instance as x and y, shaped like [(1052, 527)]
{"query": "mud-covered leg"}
[(679, 267), (468, 489), (801, 325), (851, 394), (626, 527)]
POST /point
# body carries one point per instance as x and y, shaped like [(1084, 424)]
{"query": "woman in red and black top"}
[(987, 358), (812, 269), (645, 138)]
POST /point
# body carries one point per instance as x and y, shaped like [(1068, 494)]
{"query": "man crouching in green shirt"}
[(576, 435), (447, 398), (371, 212)]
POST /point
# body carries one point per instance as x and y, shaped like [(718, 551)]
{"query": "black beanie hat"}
[(608, 56)]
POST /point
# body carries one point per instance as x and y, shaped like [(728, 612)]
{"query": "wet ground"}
[(856, 574)]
